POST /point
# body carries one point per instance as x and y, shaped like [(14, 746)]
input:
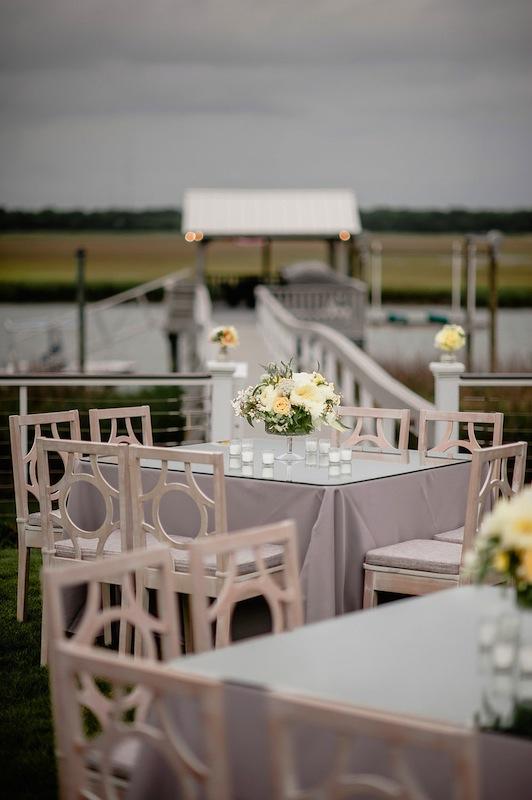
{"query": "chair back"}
[(297, 720), (82, 466), (489, 482), (150, 628), (382, 425), (108, 705), (121, 417), (25, 474), (269, 553), (450, 439), (180, 480)]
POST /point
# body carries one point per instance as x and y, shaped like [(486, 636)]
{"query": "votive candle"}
[(334, 455), (235, 448), (247, 456), (345, 454), (324, 445), (267, 457)]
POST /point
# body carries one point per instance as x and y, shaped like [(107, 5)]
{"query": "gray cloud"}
[(407, 101)]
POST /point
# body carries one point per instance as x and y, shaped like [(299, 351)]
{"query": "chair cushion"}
[(425, 555), (35, 520), (246, 562), (456, 536)]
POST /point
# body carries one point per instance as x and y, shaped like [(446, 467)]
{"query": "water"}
[(133, 335)]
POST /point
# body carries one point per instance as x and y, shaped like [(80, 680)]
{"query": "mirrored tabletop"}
[(258, 459)]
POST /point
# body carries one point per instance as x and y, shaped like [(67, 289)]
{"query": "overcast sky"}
[(129, 102)]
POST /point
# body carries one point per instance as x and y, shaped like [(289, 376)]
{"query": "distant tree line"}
[(402, 220)]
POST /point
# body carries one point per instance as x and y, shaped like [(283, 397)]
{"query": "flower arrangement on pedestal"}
[(503, 546), (226, 336), (449, 339), (289, 403)]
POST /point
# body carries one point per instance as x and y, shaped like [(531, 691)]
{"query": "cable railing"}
[(360, 379)]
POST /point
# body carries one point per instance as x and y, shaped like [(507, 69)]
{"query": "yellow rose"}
[(501, 562), (281, 405), (229, 337), (450, 338)]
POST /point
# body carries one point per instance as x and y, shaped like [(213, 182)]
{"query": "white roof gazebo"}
[(267, 214)]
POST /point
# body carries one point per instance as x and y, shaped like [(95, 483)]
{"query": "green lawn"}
[(28, 761)]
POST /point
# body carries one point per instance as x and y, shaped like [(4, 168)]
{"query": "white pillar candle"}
[(235, 448), (267, 457), (345, 454), (311, 445), (334, 455), (247, 456), (324, 445)]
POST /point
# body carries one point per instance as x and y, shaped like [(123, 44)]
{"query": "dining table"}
[(413, 658), (341, 508)]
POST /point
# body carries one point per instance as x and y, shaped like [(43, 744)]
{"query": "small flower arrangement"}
[(224, 335), (289, 403), (450, 338), (504, 545)]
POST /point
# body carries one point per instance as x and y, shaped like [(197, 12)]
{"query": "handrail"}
[(313, 341)]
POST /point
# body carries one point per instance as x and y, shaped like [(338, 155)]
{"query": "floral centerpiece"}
[(503, 546), (289, 403), (226, 336), (449, 339)]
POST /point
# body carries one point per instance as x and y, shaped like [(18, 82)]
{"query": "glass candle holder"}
[(345, 454), (311, 459), (267, 472), (267, 457), (235, 447), (334, 470), (311, 445), (324, 445), (334, 455), (247, 470), (247, 456), (234, 463), (247, 444)]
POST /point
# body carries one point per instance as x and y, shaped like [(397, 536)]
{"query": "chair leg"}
[(22, 580), (106, 603), (370, 595)]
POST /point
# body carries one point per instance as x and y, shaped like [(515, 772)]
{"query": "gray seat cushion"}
[(246, 563), (424, 555), (456, 536), (34, 520)]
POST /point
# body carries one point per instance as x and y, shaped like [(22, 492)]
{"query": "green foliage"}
[(113, 219), (454, 220), (28, 760)]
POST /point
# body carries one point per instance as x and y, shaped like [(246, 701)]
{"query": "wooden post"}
[(201, 249), (470, 248), (330, 245), (376, 276), (494, 239), (456, 277), (80, 259), (266, 260)]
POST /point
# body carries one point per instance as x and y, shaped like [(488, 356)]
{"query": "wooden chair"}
[(230, 568), (449, 437), (127, 702), (116, 416), (72, 542), (26, 484), (383, 419), (420, 566), (153, 630), (348, 726)]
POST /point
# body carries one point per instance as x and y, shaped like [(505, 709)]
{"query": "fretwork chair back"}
[(84, 470), (131, 703), (121, 418), (154, 627), (367, 753), (420, 566), (447, 438), (170, 507), (24, 431), (386, 429), (260, 561)]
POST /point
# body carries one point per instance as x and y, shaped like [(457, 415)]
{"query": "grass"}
[(28, 761), (409, 260)]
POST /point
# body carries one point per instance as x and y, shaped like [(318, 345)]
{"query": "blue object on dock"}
[(399, 319), (441, 319)]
